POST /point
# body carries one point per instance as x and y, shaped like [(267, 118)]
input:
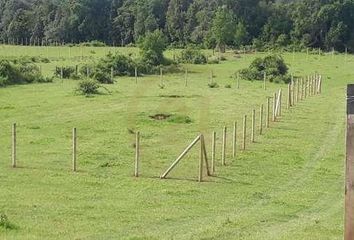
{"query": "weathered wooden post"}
[(136, 75), (74, 140), (253, 128), (268, 112), (261, 120), (265, 81), (213, 148), (280, 102), (238, 81), (112, 74), (61, 72), (201, 161), (349, 183), (14, 150), (244, 132), (274, 118), (234, 140), (223, 157), (289, 96), (186, 77), (137, 154), (161, 76), (211, 76), (298, 91)]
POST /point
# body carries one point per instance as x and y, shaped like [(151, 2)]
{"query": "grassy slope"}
[(289, 185)]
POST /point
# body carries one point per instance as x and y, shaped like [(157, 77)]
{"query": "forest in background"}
[(262, 24)]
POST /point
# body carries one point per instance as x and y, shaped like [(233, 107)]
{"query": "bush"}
[(273, 66), (68, 72), (213, 60), (93, 44), (213, 85), (5, 223), (102, 77), (192, 55), (21, 73), (88, 87)]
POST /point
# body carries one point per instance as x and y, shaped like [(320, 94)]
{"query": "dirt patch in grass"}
[(160, 116), (172, 96)]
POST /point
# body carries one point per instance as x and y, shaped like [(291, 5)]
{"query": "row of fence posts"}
[(298, 90)]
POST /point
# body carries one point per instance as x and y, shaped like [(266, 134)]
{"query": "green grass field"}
[(288, 185)]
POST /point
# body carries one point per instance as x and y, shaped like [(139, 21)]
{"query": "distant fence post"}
[(349, 190), (74, 149), (244, 132), (265, 81), (261, 120), (253, 126), (234, 140), (186, 77), (137, 154), (136, 75), (268, 112), (14, 164), (213, 148), (223, 157), (274, 117), (289, 96)]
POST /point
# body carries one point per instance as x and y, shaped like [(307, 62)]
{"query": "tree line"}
[(262, 24)]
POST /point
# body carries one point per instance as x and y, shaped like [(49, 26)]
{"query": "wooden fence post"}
[(261, 120), (253, 129), (234, 140), (349, 190), (265, 81), (186, 77), (137, 154), (112, 74), (244, 132), (238, 81), (298, 91), (213, 148), (136, 75), (302, 89), (289, 96), (274, 118), (268, 112), (280, 102), (14, 150), (223, 157), (201, 160), (74, 149)]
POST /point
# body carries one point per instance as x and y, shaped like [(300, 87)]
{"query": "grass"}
[(288, 185)]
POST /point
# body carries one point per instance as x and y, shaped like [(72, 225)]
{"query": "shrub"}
[(213, 60), (213, 85), (88, 87), (228, 86), (5, 223), (192, 55), (68, 72), (86, 68), (94, 43), (273, 66), (180, 119), (102, 77), (20, 73)]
